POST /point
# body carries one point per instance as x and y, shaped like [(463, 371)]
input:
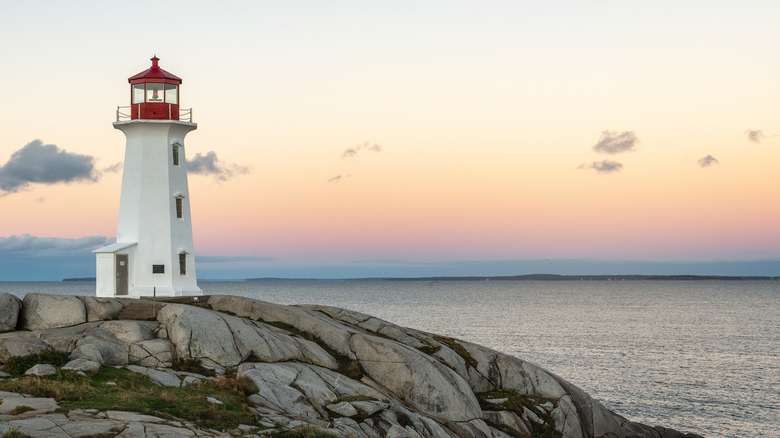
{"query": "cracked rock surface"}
[(314, 366)]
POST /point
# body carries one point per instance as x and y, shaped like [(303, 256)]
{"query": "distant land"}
[(527, 277), (538, 277)]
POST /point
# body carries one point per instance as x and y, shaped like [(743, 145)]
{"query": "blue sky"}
[(407, 138)]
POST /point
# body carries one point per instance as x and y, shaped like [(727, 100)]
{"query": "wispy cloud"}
[(209, 164), (707, 161), (755, 135), (613, 142), (605, 166), (338, 178), (114, 168), (45, 164), (28, 244), (365, 146)]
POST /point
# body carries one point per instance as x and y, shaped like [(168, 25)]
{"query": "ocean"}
[(697, 356)]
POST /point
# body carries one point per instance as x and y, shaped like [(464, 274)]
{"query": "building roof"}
[(155, 72), (114, 247)]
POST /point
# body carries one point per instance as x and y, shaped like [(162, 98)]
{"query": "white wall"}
[(147, 211), (106, 275)]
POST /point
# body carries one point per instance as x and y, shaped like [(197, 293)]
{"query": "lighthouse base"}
[(154, 291), (121, 274), (138, 292)]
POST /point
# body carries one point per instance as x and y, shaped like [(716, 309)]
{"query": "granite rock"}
[(10, 306), (41, 369), (82, 365), (314, 366), (101, 309), (14, 344), (41, 311)]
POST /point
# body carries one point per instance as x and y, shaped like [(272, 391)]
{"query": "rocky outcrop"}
[(100, 309), (223, 341), (19, 344), (41, 311), (424, 382), (323, 367), (9, 311), (40, 420)]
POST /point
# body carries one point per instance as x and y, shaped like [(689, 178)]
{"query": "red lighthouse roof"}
[(155, 72)]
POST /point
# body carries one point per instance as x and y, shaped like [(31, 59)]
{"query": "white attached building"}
[(153, 253)]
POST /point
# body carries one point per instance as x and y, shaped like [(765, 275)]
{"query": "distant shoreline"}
[(527, 277), (535, 277)]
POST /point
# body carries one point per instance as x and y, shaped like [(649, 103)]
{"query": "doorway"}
[(121, 274)]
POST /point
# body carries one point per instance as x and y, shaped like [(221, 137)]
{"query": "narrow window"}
[(179, 205), (176, 155), (171, 94), (138, 93), (183, 263)]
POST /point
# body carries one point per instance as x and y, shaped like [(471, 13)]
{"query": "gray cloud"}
[(605, 166), (28, 244), (707, 161), (209, 164), (114, 168), (45, 164), (755, 135), (353, 151), (338, 178), (612, 142)]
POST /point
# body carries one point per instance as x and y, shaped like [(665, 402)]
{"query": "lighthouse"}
[(153, 253)]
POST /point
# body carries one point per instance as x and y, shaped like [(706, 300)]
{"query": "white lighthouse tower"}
[(153, 253)]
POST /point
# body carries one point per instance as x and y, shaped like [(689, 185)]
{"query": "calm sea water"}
[(697, 356)]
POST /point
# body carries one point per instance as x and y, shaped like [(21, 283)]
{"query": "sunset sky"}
[(407, 138)]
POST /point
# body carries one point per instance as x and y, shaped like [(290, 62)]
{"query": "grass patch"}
[(241, 384), (21, 409), (192, 366), (347, 366), (102, 435), (516, 403), (301, 432), (14, 433), (429, 349), (136, 393), (19, 364), (458, 348)]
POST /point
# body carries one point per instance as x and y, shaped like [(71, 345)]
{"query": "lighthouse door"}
[(121, 274)]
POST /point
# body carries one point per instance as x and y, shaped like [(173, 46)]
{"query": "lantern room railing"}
[(123, 114)]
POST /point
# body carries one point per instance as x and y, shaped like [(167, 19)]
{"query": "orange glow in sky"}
[(474, 129)]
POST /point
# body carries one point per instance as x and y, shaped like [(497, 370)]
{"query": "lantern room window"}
[(138, 93), (171, 94), (154, 92)]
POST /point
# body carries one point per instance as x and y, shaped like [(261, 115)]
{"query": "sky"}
[(351, 139)]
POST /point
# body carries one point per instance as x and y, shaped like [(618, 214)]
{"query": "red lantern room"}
[(154, 94)]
